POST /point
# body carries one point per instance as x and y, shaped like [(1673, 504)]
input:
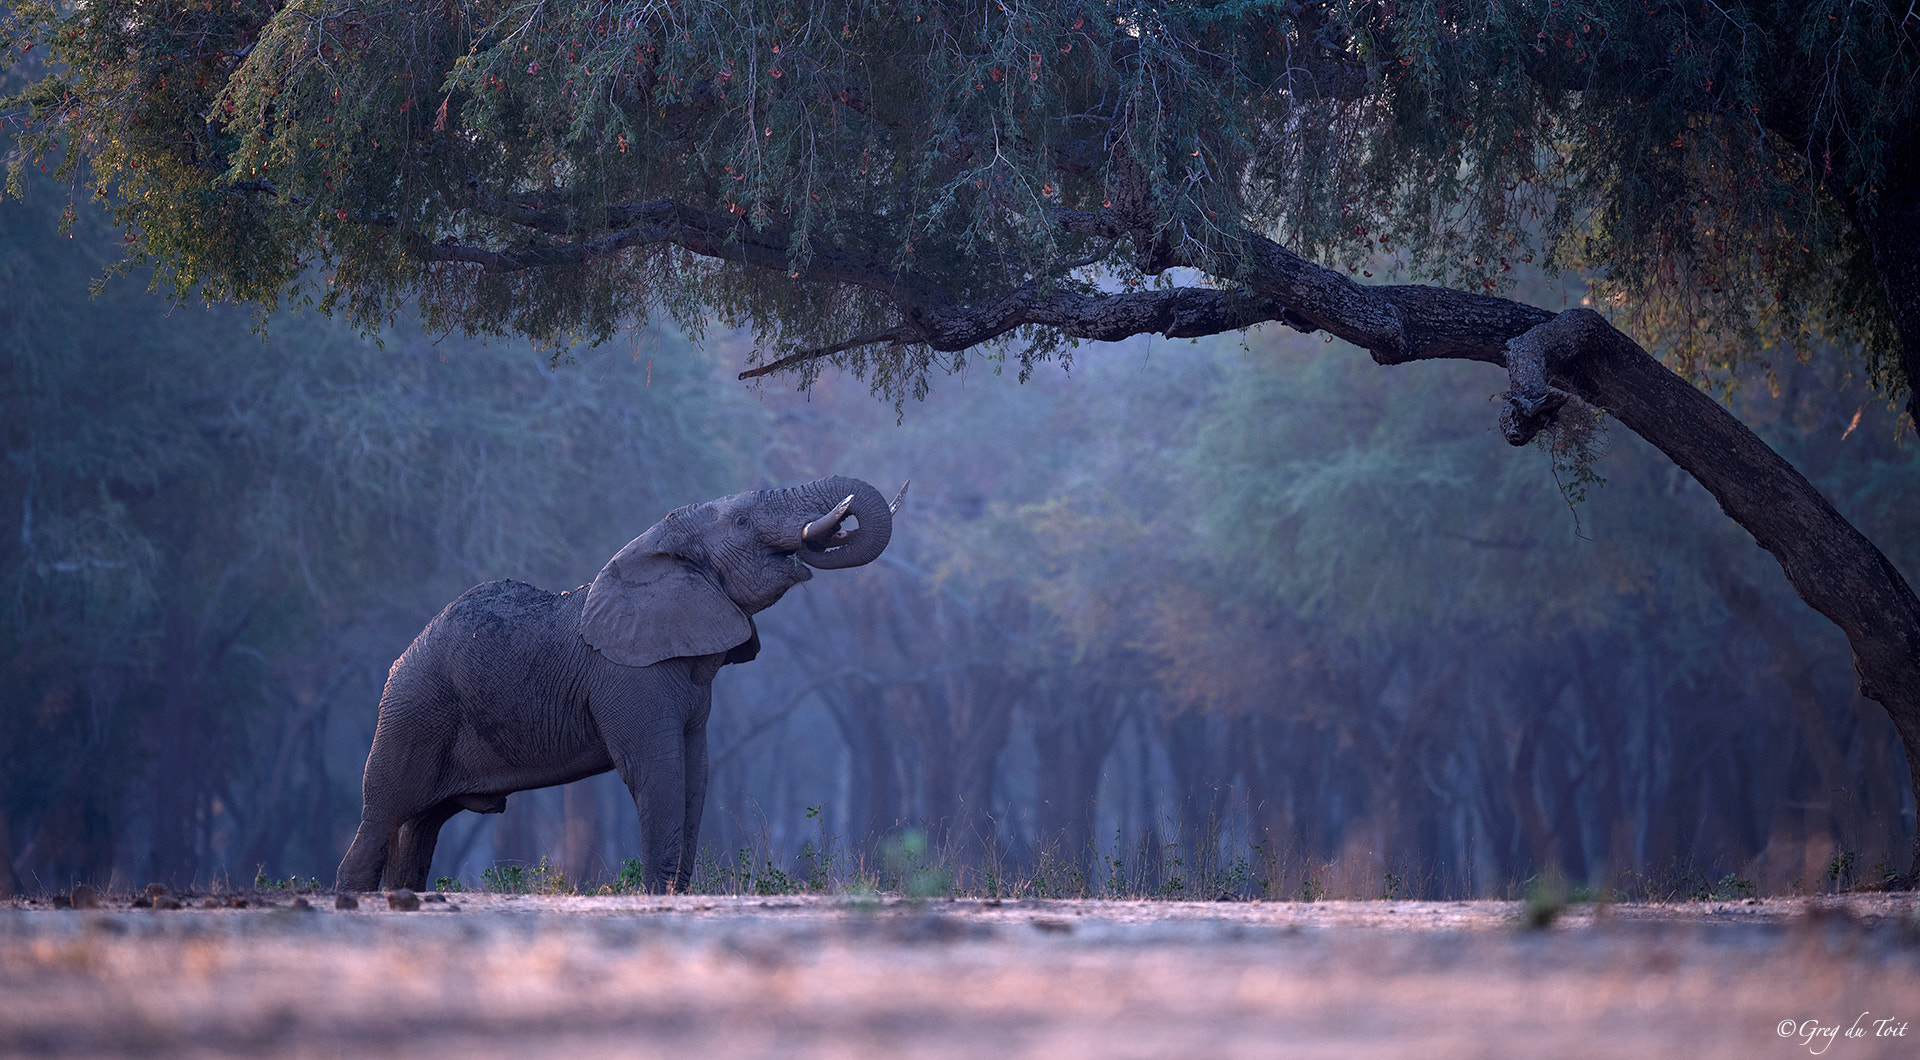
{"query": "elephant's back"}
[(509, 605), (508, 630), (504, 663)]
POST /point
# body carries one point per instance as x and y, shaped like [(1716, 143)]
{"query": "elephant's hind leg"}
[(412, 855), (400, 786), (366, 858)]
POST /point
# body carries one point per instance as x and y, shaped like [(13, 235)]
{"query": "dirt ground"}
[(528, 976)]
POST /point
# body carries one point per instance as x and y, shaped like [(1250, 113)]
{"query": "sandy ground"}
[(534, 976)]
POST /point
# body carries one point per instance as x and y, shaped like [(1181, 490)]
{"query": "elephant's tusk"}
[(824, 526), (898, 497)]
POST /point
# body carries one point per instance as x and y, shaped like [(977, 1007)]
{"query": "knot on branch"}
[(1526, 415), (1532, 404)]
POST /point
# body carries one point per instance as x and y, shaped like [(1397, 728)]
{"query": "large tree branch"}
[(929, 316), (659, 222), (1182, 312)]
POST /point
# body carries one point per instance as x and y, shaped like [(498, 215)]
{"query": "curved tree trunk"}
[(1831, 565)]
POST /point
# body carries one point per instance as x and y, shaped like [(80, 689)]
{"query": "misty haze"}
[(945, 528)]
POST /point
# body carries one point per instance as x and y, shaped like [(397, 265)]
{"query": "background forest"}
[(1247, 616)]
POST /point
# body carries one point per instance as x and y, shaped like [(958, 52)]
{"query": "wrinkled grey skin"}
[(513, 687)]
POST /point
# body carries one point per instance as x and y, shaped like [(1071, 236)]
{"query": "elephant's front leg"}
[(644, 720), (696, 801), (659, 787)]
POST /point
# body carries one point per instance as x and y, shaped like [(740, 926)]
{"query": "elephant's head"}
[(687, 586)]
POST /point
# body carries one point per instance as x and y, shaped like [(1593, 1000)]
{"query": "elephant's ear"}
[(647, 605)]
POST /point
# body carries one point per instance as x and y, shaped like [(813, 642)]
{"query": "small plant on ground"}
[(1730, 887), (264, 882), (906, 862), (1841, 870), (449, 883), (770, 879), (1173, 881), (819, 866), (745, 874), (504, 879), (1232, 883), (631, 879), (1311, 890), (542, 878), (1116, 863), (1546, 896)]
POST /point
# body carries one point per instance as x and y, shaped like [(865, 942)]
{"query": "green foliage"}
[(264, 882), (1546, 899), (1311, 889), (543, 877), (449, 884), (820, 857), (632, 877), (518, 170), (1577, 438), (1842, 870), (1730, 887), (909, 867)]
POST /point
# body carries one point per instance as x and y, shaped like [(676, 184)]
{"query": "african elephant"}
[(513, 687)]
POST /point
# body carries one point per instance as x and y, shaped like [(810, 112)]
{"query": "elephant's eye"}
[(741, 520)]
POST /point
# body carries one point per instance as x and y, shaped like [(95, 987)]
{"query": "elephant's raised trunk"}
[(830, 502), (825, 531)]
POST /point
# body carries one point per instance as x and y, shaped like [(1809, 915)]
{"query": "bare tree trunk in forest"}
[(926, 749), (321, 849), (273, 804), (874, 791), (1791, 669), (1501, 838), (172, 776), (192, 652), (854, 685), (979, 701), (1612, 810), (8, 885), (1537, 846), (581, 841), (1073, 731), (1196, 746), (1401, 787)]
